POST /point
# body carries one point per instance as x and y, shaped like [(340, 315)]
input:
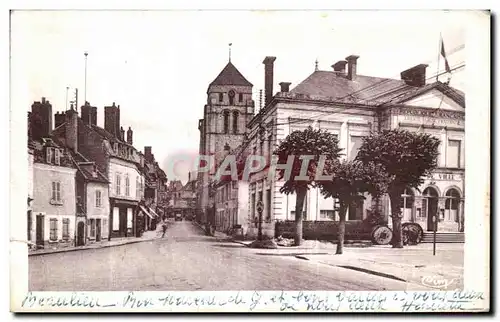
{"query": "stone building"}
[(229, 108), (352, 105), (114, 156)]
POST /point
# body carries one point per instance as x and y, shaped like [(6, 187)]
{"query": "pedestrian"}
[(164, 228)]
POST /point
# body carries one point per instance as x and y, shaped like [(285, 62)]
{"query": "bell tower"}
[(228, 110)]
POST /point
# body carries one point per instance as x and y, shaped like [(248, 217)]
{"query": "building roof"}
[(370, 90), (336, 85), (230, 75)]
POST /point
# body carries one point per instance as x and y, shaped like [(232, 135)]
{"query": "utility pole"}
[(66, 102), (85, 89)]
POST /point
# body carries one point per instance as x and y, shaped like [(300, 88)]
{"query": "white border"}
[(477, 123)]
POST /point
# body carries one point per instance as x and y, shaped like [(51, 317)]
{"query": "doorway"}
[(98, 230), (80, 234), (40, 222), (431, 205), (123, 222)]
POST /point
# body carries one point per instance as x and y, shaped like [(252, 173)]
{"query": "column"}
[(461, 216), (344, 139)]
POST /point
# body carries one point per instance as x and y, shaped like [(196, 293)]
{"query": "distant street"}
[(186, 260)]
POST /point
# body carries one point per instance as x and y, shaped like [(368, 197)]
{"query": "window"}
[(118, 184), (65, 229), (53, 229), (240, 97), (269, 148), (355, 144), (221, 97), (56, 191), (327, 214), (127, 186), (57, 156), (235, 122), (92, 227), (98, 202), (226, 122), (30, 224), (49, 155), (231, 97), (453, 154), (252, 205), (451, 205), (269, 205), (356, 210), (407, 200), (137, 188)]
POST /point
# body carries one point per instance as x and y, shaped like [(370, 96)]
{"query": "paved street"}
[(186, 260)]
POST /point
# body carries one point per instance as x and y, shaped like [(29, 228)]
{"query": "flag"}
[(446, 65)]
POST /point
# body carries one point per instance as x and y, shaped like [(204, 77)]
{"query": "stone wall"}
[(324, 230)]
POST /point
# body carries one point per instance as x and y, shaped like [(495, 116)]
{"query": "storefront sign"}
[(443, 176), (426, 120)]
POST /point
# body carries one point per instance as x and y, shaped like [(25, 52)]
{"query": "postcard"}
[(250, 161)]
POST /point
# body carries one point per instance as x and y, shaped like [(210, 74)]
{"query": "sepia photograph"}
[(263, 154)]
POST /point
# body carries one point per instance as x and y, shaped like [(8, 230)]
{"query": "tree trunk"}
[(341, 229), (397, 231), (299, 205)]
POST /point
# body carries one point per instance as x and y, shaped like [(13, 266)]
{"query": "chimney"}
[(118, 127), (72, 129), (93, 115), (110, 119), (339, 66), (122, 133), (86, 110), (415, 76), (147, 152), (60, 118), (285, 87), (268, 78), (352, 66), (129, 135), (41, 119)]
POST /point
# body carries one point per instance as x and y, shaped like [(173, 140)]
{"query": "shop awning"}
[(153, 212), (145, 211)]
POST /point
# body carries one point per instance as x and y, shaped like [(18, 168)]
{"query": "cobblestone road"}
[(186, 260)]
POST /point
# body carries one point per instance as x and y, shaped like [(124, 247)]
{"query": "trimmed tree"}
[(351, 179), (406, 158), (304, 146)]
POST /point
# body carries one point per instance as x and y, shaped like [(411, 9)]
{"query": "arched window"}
[(451, 205), (226, 122), (407, 200), (235, 122)]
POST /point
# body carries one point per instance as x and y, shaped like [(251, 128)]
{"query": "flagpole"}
[(439, 56)]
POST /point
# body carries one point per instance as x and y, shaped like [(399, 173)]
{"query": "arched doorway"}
[(430, 206), (407, 200), (80, 234), (451, 206)]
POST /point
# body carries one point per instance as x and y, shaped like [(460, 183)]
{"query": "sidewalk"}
[(413, 264), (147, 236)]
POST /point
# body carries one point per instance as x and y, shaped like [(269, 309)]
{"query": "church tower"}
[(228, 110)]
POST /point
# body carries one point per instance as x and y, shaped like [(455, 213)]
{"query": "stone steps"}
[(444, 237)]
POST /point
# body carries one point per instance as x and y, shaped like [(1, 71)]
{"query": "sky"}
[(157, 65)]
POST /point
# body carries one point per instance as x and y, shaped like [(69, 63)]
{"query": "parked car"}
[(178, 217)]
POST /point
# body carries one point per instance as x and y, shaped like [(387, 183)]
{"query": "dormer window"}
[(57, 156), (49, 154)]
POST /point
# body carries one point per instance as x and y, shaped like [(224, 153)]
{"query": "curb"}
[(89, 248)]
